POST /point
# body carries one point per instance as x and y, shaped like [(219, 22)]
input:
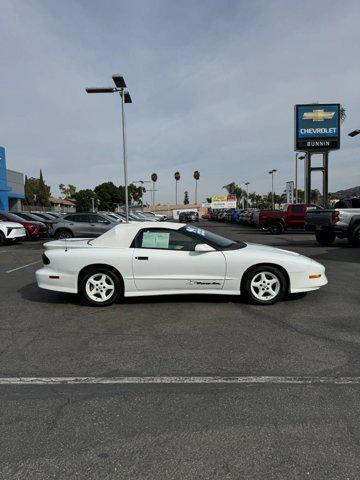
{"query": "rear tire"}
[(2, 239), (264, 285), (276, 228), (100, 287), (62, 234), (355, 237), (325, 239)]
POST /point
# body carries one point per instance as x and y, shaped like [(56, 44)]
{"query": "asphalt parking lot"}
[(291, 426)]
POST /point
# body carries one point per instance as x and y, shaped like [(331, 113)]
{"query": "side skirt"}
[(149, 293)]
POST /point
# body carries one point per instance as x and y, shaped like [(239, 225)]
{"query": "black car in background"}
[(188, 217)]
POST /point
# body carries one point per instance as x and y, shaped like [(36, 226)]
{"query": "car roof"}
[(123, 234)]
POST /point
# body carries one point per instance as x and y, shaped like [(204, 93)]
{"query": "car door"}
[(165, 260), (295, 218), (99, 224), (79, 224)]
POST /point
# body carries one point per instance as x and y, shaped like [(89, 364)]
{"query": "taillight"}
[(335, 216)]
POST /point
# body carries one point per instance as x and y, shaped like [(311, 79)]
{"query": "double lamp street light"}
[(120, 87)]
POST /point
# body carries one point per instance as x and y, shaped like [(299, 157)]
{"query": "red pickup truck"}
[(277, 221)]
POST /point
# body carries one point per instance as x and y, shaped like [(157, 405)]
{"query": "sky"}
[(213, 85)]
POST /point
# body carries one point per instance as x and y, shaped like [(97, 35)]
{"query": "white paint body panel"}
[(17, 230), (169, 271)]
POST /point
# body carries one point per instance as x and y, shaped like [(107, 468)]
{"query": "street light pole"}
[(120, 87), (296, 175), (272, 187), (121, 93), (247, 194)]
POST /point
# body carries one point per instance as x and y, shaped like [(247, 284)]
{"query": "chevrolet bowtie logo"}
[(318, 115)]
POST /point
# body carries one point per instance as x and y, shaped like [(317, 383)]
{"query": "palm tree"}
[(342, 114), (177, 178), (234, 189), (252, 197), (154, 178), (196, 176)]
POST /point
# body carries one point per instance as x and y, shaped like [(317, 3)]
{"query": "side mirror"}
[(203, 247)]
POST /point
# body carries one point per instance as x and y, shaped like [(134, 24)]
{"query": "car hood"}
[(269, 249)]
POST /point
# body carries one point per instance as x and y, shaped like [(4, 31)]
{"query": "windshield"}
[(14, 218), (216, 241)]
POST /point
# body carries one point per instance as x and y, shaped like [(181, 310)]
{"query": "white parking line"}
[(23, 266), (246, 380)]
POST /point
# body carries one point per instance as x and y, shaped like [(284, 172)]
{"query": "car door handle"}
[(142, 258)]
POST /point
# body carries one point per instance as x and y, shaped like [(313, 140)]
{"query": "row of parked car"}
[(18, 226), (232, 215), (341, 221)]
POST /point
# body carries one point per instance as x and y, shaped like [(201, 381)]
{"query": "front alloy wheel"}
[(265, 285), (100, 287)]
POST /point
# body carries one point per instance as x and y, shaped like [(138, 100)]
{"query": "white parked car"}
[(138, 259), (11, 232)]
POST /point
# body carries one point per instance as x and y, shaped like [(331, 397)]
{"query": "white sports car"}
[(138, 259)]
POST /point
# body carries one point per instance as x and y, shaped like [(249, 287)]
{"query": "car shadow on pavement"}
[(33, 293)]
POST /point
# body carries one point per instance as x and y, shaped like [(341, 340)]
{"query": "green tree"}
[(177, 178), (196, 177), (109, 196), (83, 200), (234, 189), (154, 178), (135, 193), (31, 188), (68, 191), (43, 192), (342, 114), (186, 198)]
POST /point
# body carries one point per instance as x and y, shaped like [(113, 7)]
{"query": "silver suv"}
[(83, 225)]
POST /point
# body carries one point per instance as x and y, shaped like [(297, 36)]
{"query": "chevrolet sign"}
[(317, 127)]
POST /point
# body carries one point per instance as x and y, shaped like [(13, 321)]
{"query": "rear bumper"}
[(327, 228), (50, 279)]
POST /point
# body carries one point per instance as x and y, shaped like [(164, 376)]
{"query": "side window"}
[(164, 239), (70, 218), (82, 218), (297, 209), (96, 219)]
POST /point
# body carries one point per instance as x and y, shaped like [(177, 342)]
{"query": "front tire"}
[(100, 287), (2, 239), (355, 237), (265, 285), (276, 228), (325, 239)]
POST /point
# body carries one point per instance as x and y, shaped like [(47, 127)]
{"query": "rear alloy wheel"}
[(100, 287), (276, 228), (62, 234), (355, 237), (265, 285), (325, 239)]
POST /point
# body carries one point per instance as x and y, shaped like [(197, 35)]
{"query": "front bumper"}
[(301, 282), (16, 233)]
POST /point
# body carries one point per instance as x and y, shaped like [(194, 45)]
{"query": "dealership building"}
[(11, 186)]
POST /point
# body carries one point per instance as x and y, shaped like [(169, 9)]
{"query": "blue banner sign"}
[(317, 127)]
